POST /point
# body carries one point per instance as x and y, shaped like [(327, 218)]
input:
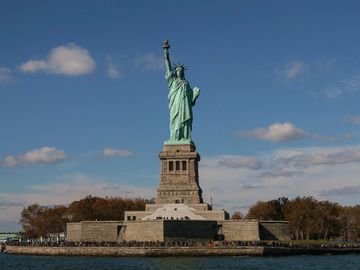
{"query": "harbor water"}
[(20, 262)]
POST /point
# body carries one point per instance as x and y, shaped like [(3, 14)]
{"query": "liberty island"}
[(179, 212), (179, 215)]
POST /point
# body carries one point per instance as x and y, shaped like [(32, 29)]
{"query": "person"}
[(181, 100)]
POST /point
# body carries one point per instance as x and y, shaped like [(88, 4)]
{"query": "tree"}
[(30, 220), (37, 220), (83, 209), (327, 220), (96, 208), (300, 213), (54, 219), (350, 222), (270, 210), (237, 216)]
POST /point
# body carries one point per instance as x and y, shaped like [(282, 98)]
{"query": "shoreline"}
[(175, 251)]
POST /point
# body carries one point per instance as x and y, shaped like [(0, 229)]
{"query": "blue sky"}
[(83, 99)]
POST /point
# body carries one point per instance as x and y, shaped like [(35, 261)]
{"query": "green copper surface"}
[(181, 100)]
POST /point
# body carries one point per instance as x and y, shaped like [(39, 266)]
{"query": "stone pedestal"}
[(179, 177)]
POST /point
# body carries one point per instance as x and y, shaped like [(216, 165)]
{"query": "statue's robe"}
[(181, 100)]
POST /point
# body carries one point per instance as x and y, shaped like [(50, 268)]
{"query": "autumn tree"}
[(312, 219), (327, 220), (37, 220), (308, 218), (350, 222), (355, 225), (96, 208), (30, 221), (300, 213), (270, 210), (237, 216)]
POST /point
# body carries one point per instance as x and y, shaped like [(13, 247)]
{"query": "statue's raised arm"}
[(166, 47)]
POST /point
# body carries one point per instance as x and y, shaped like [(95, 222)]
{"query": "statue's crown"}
[(179, 65)]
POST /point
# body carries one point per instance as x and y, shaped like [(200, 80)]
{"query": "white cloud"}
[(294, 70), (284, 132), (346, 86), (110, 152), (7, 203), (342, 156), (351, 83), (250, 186), (347, 190), (278, 132), (78, 185), (240, 162), (225, 186), (62, 192), (341, 137), (149, 61), (280, 173), (5, 75), (34, 66), (296, 162), (43, 155), (69, 59), (114, 72), (330, 173)]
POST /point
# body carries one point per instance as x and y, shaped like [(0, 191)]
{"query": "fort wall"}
[(161, 230), (239, 230), (151, 230), (274, 230)]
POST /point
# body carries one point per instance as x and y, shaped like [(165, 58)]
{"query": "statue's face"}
[(180, 72)]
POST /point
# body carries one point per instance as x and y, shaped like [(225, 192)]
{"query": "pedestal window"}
[(171, 166), (184, 167)]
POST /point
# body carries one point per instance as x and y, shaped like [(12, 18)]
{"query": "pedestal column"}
[(179, 176)]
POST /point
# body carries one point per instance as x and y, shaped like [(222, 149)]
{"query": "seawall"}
[(174, 251), (136, 251)]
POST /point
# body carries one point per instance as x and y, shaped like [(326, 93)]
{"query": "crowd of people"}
[(188, 243)]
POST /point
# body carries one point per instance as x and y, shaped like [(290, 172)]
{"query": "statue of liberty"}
[(181, 100)]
